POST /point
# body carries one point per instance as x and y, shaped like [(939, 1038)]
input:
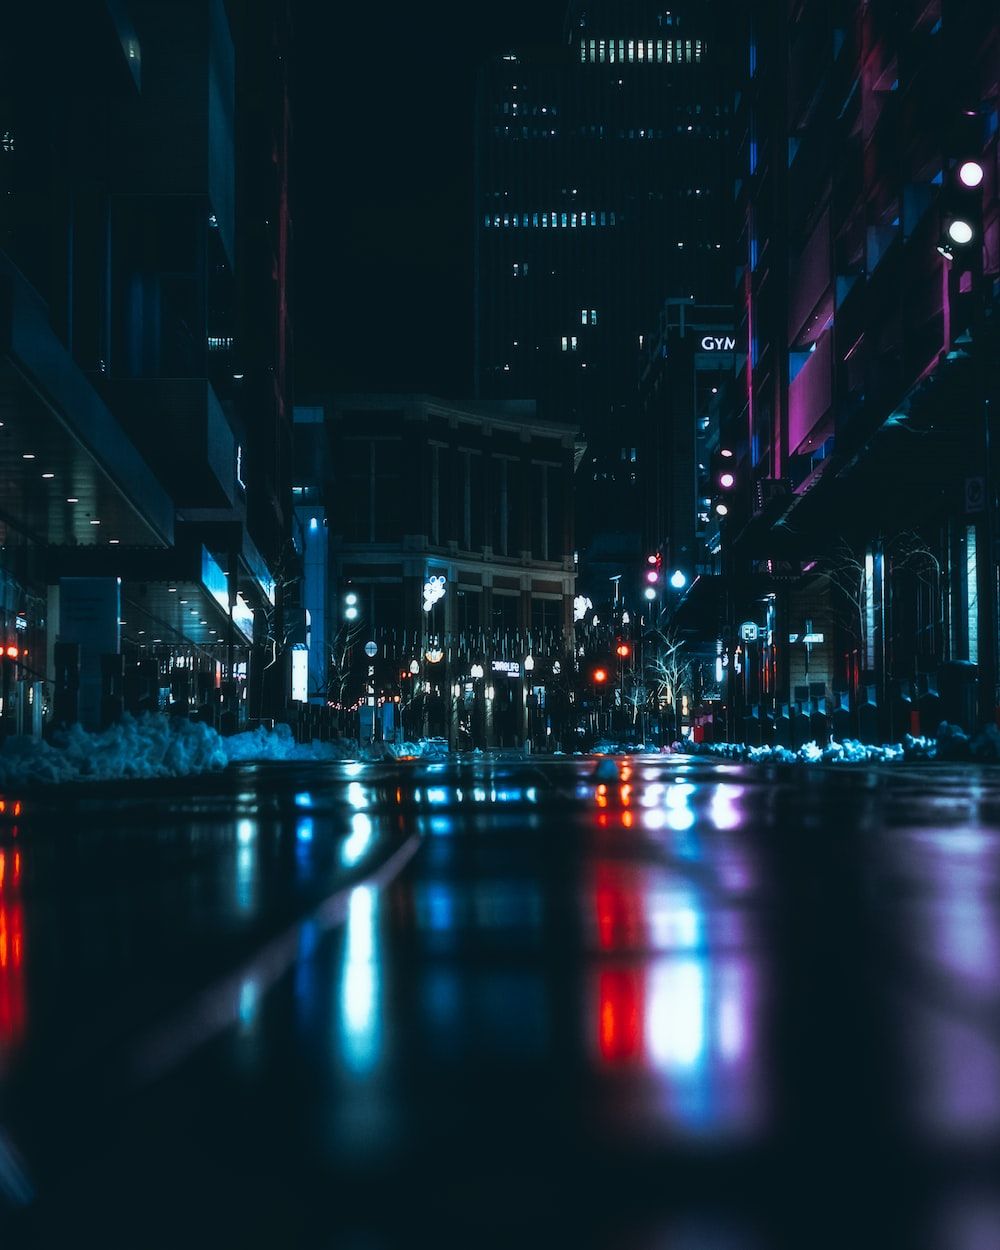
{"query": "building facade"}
[(137, 566), (862, 539), (451, 552), (601, 189)]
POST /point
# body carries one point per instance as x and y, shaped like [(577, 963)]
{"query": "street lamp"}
[(960, 231), (678, 579), (970, 173)]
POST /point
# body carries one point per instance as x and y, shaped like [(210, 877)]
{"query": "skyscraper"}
[(601, 189)]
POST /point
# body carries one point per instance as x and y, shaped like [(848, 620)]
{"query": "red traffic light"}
[(600, 675), (624, 650)]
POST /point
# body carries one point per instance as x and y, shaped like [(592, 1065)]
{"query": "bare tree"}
[(278, 622), (671, 674), (851, 580), (340, 657)]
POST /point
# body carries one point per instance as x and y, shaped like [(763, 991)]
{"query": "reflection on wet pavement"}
[(692, 1006)]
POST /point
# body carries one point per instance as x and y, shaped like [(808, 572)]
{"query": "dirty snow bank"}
[(949, 743), (157, 746)]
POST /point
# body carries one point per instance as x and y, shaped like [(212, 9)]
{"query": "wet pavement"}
[(691, 1007)]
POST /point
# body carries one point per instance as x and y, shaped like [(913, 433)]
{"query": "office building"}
[(862, 536), (601, 190), (139, 569), (450, 537)]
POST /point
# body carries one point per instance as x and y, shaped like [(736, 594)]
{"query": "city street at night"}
[(500, 625), (663, 1003)]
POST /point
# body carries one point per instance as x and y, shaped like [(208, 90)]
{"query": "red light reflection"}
[(620, 998), (12, 989), (620, 917)]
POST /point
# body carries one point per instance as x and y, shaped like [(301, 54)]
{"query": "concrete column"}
[(89, 612)]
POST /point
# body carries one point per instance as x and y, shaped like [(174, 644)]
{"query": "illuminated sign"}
[(749, 631), (300, 674), (511, 668), (718, 343), (243, 617), (581, 606), (434, 590)]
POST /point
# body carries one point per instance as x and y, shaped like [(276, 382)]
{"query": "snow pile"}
[(152, 746), (606, 747), (259, 746), (160, 746), (950, 743), (850, 751)]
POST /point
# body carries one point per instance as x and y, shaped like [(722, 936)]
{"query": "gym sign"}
[(718, 343)]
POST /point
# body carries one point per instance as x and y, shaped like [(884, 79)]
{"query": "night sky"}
[(383, 111)]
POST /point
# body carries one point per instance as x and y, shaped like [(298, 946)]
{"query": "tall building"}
[(138, 564), (863, 536), (601, 189)]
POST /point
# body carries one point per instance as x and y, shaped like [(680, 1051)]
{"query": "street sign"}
[(975, 494), (749, 631), (371, 650)]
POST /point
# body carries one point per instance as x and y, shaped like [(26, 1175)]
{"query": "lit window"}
[(565, 343)]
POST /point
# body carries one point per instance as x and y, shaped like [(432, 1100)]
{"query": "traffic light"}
[(654, 572), (724, 470), (600, 676), (623, 650), (962, 196)]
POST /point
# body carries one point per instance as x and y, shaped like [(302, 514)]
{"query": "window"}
[(467, 610), (546, 615), (501, 513), (506, 611)]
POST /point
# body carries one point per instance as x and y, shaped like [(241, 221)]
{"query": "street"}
[(696, 1006)]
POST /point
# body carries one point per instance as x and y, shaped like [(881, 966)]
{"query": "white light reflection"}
[(248, 1004), (673, 927), (354, 770), (652, 796), (304, 829), (304, 799), (246, 865), (356, 795), (360, 1025), (679, 814), (675, 1019), (437, 794), (354, 848), (723, 810)]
